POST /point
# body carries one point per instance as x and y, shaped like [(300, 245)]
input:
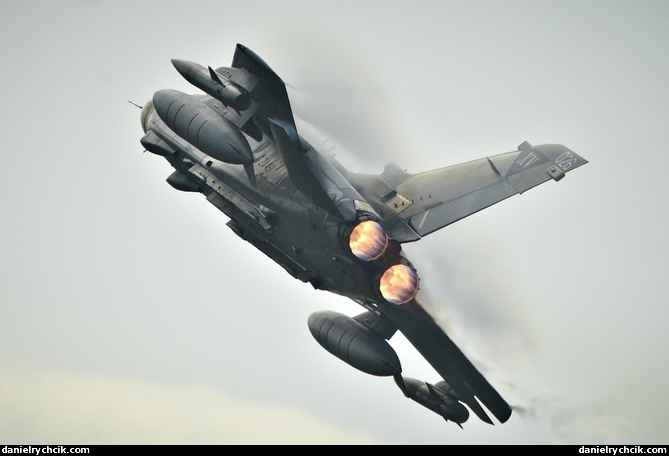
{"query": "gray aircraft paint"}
[(300, 207)]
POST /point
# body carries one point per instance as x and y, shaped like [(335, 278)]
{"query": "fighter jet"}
[(338, 230)]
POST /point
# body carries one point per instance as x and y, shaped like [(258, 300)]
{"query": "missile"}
[(437, 398), (202, 127), (224, 90), (350, 341)]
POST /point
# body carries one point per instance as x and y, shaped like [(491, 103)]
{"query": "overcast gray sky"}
[(129, 313)]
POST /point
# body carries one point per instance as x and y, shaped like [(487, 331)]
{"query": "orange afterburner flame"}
[(368, 240), (399, 284)]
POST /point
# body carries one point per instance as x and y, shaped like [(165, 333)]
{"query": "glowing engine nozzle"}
[(399, 284), (368, 240)]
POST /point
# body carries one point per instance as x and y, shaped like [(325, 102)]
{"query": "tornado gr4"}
[(340, 231)]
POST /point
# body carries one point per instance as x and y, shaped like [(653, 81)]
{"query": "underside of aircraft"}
[(338, 230)]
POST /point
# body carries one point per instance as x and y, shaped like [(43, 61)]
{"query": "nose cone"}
[(184, 67), (144, 115)]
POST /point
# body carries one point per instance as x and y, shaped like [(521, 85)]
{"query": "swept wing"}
[(420, 204), (441, 352)]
